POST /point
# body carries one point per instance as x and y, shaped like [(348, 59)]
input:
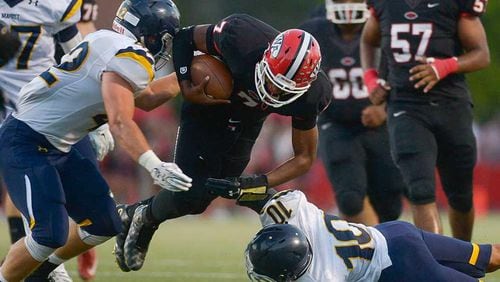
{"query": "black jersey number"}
[(401, 47), (358, 244), (89, 12), (279, 212), (348, 83), (33, 32)]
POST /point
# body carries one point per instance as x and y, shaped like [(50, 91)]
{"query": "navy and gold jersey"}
[(341, 62), (240, 41), (413, 28)]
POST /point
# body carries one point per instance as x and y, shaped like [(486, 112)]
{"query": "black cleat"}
[(139, 236), (121, 237)]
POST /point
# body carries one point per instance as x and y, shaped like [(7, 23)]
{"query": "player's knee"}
[(391, 213), (350, 202), (38, 251), (200, 208), (92, 240), (461, 202), (421, 191)]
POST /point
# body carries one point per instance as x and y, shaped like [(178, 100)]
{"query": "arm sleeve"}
[(472, 7), (134, 65), (183, 48)]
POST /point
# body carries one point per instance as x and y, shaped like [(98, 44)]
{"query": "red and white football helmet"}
[(346, 12), (291, 63)]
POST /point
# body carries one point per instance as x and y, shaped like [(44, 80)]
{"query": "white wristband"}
[(149, 160)]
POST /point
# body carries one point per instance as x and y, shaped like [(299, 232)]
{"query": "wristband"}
[(370, 77), (149, 160), (443, 67)]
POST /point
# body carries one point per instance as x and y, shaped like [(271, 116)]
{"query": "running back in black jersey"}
[(240, 41), (413, 28), (341, 62)]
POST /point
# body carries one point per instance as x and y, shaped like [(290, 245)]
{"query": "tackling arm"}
[(158, 92)]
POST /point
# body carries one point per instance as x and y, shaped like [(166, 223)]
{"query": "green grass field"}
[(208, 249)]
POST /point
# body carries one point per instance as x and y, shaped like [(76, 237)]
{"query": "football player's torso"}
[(65, 102), (414, 28), (242, 41), (36, 22), (341, 62), (342, 251)]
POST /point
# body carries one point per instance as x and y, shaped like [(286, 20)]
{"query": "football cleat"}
[(121, 237), (59, 275), (139, 236), (87, 264)]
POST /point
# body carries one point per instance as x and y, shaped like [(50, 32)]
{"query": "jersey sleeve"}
[(316, 100), (133, 64), (65, 14), (472, 7), (89, 11)]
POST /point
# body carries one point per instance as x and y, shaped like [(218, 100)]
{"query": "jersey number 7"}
[(28, 46)]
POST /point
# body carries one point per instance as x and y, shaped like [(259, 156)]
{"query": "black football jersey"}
[(412, 28), (240, 41), (341, 62)]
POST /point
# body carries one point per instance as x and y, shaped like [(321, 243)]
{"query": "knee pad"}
[(350, 203), (421, 191), (461, 202), (39, 252), (92, 240)]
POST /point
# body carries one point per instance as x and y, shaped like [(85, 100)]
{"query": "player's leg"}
[(411, 259), (344, 159), (385, 183), (35, 188), (414, 150), (469, 258), (87, 261), (14, 220), (456, 161)]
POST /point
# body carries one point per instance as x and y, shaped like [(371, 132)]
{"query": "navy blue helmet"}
[(279, 252), (154, 23)]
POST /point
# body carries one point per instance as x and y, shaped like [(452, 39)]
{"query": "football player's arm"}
[(477, 56), (304, 144), (186, 41), (118, 100), (370, 53), (68, 38), (158, 92)]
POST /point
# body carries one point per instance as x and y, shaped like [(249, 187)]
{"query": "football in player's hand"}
[(220, 84)]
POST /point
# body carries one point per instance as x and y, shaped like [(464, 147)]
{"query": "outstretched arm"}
[(158, 92)]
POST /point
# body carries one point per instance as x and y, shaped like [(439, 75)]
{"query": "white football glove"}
[(167, 175), (102, 141)]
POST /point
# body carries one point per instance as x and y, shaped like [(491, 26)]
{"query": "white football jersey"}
[(36, 22), (342, 251), (65, 102)]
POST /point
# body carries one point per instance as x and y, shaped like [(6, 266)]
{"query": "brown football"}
[(220, 84)]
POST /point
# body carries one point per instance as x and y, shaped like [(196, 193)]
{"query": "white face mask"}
[(346, 13)]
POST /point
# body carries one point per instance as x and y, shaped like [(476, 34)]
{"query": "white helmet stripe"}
[(300, 56)]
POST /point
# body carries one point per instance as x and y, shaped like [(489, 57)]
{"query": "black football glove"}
[(243, 189)]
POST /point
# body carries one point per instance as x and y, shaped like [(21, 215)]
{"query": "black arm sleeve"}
[(257, 206), (183, 48)]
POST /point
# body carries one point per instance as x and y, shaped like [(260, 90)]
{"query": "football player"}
[(8, 49), (299, 242), (273, 72), (429, 45), (99, 81), (353, 137)]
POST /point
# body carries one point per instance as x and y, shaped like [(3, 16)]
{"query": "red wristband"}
[(443, 67), (371, 79)]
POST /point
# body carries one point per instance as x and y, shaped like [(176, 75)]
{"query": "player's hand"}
[(169, 176), (379, 94), (244, 188), (424, 74), (196, 93), (373, 116), (102, 141)]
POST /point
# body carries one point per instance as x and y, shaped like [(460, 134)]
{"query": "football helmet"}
[(151, 22), (346, 13), (279, 252), (289, 65)]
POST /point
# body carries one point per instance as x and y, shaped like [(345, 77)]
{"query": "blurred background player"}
[(273, 72), (8, 49), (37, 24), (354, 145), (428, 47), (47, 179), (299, 242)]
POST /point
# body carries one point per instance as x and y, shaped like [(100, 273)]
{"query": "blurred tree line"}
[(485, 85)]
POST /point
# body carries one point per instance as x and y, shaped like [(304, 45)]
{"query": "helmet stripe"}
[(306, 41)]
